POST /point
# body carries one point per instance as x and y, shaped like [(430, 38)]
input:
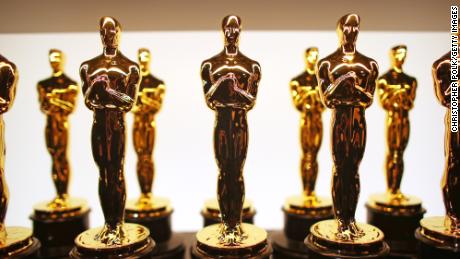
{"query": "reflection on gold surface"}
[(149, 101), (396, 92), (307, 100), (133, 234), (211, 209), (230, 84), (210, 236), (57, 96), (110, 83), (451, 179), (347, 81), (8, 81)]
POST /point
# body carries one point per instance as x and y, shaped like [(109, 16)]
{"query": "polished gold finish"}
[(149, 101), (13, 240), (319, 207), (210, 236), (133, 234), (154, 207), (57, 96), (307, 100), (8, 80), (396, 92), (347, 81), (231, 82), (436, 230), (212, 210), (451, 179), (110, 83), (445, 231)]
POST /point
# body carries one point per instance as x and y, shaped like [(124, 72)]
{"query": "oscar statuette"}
[(302, 211), (57, 96), (149, 210), (439, 237), (110, 83), (395, 213), (15, 242), (230, 84), (347, 81)]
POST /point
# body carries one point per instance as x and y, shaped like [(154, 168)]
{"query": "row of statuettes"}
[(344, 81)]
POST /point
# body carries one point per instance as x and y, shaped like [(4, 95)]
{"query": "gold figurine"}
[(306, 97), (110, 83), (149, 101), (347, 81), (230, 83), (396, 91), (15, 242), (443, 233), (57, 97), (150, 210), (302, 211)]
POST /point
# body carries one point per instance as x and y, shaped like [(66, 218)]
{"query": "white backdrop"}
[(186, 171)]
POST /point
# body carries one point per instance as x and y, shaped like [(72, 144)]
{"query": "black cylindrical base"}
[(57, 236), (174, 248), (297, 226), (159, 227), (399, 231), (197, 255), (314, 255), (285, 248), (143, 250), (427, 249)]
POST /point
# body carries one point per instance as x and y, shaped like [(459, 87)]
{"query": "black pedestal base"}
[(297, 226), (427, 249), (285, 248), (399, 231), (314, 255), (143, 250), (57, 236), (159, 227), (199, 255), (174, 248)]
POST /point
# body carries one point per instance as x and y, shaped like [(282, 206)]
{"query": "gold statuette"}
[(57, 97), (149, 101), (395, 213), (347, 81), (306, 97), (230, 82), (442, 234), (302, 211), (110, 83), (150, 210), (15, 242)]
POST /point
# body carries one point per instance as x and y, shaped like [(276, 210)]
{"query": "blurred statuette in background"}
[(395, 213), (439, 237), (150, 210), (302, 211), (57, 97), (15, 242)]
